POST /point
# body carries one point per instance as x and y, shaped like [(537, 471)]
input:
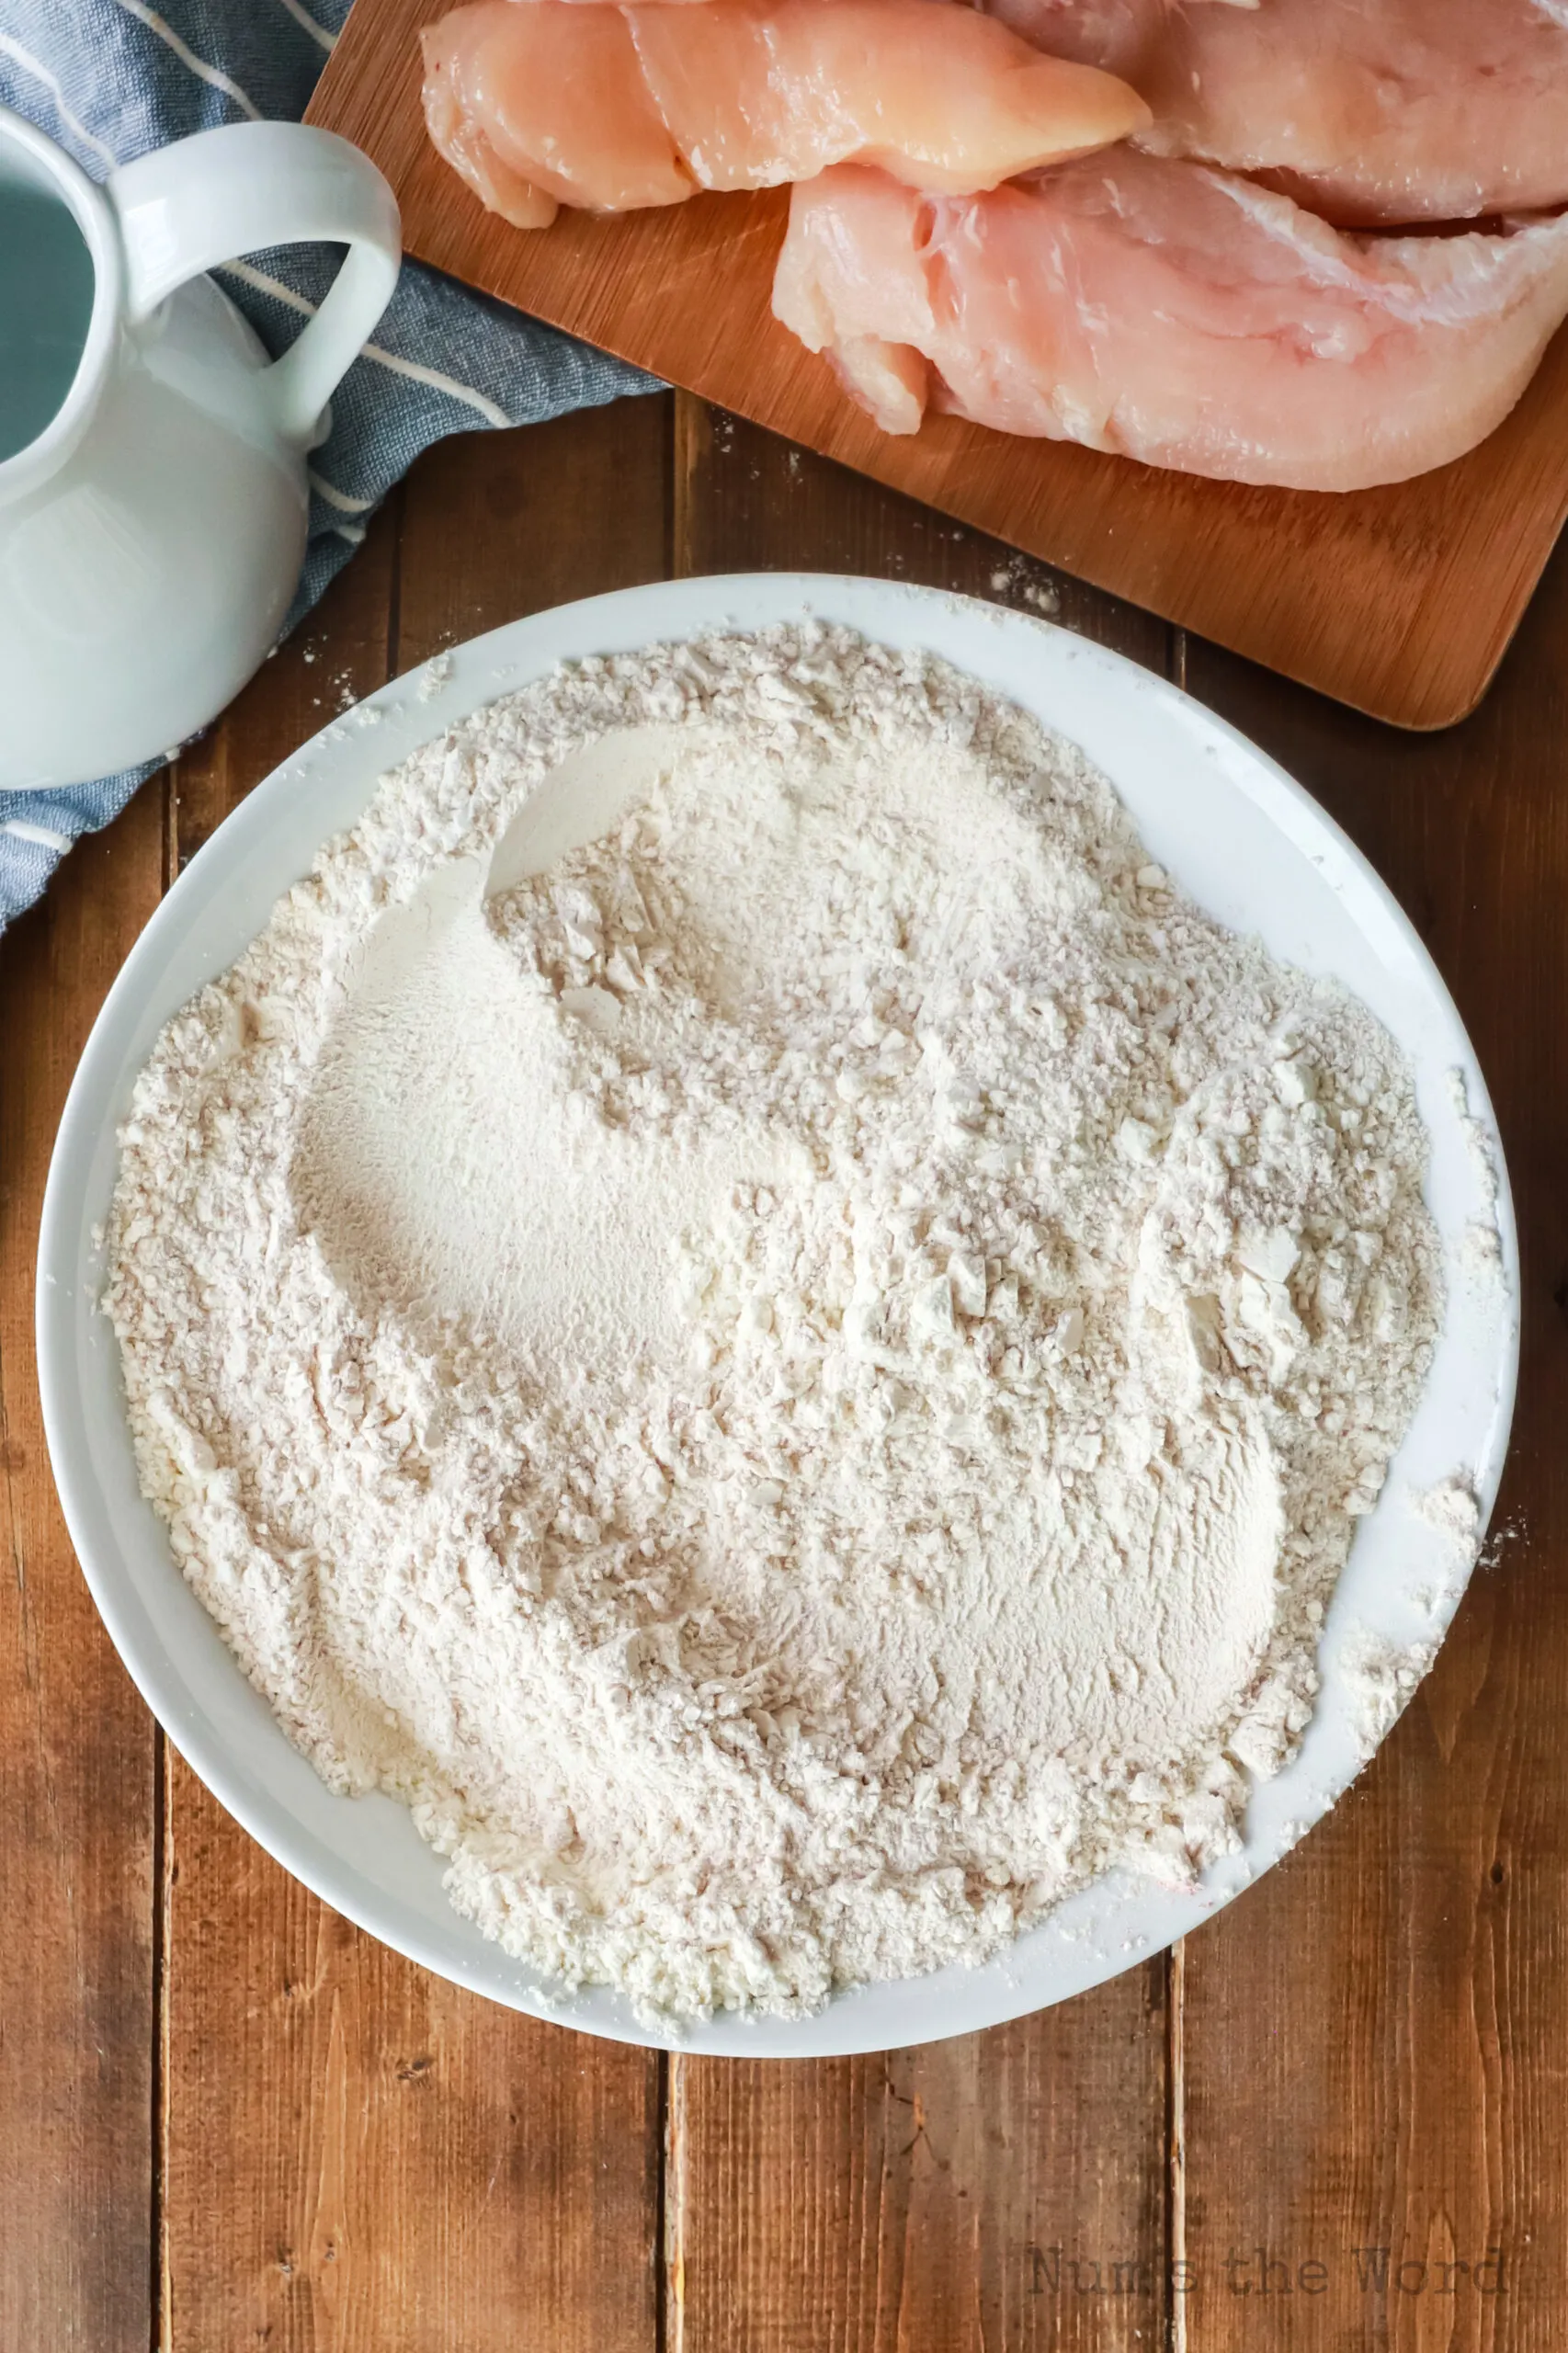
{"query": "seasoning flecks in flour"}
[(798, 1379)]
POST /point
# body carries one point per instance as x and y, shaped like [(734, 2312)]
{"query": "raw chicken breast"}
[(1366, 110), (545, 102), (556, 102), (1172, 314), (542, 105)]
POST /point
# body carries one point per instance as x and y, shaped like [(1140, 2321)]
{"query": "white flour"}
[(799, 1384)]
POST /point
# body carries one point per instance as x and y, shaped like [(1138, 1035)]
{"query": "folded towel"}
[(108, 79)]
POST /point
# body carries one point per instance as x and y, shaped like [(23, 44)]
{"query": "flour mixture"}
[(794, 1368)]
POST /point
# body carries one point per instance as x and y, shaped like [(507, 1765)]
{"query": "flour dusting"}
[(794, 1368), (1482, 1257)]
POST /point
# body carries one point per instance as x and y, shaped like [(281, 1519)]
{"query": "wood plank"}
[(999, 2190), (572, 509), (1398, 600), (933, 2201), (1380, 2026), (745, 501), (361, 2157), (364, 2157), (76, 1744)]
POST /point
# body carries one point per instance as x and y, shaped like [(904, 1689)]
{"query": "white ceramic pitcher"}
[(152, 489)]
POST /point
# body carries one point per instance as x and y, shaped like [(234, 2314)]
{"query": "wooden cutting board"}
[(1398, 600)]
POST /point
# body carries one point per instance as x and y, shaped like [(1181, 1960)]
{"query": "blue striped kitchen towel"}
[(108, 79)]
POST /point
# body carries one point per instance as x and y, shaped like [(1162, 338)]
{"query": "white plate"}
[(1249, 845)]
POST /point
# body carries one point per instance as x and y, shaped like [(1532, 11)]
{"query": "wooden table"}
[(1337, 2116)]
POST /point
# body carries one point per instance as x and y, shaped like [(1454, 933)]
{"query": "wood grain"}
[(1398, 600), (574, 508), (76, 1744), (1004, 2190), (935, 2201), (1380, 2026), (747, 501), (358, 2156), (364, 2158)]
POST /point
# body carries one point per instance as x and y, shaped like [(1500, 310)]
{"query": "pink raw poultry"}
[(539, 103), (1172, 314), (1368, 110)]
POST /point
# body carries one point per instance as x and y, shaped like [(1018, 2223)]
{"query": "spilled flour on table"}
[(798, 1379)]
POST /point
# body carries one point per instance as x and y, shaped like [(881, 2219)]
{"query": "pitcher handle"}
[(208, 199)]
